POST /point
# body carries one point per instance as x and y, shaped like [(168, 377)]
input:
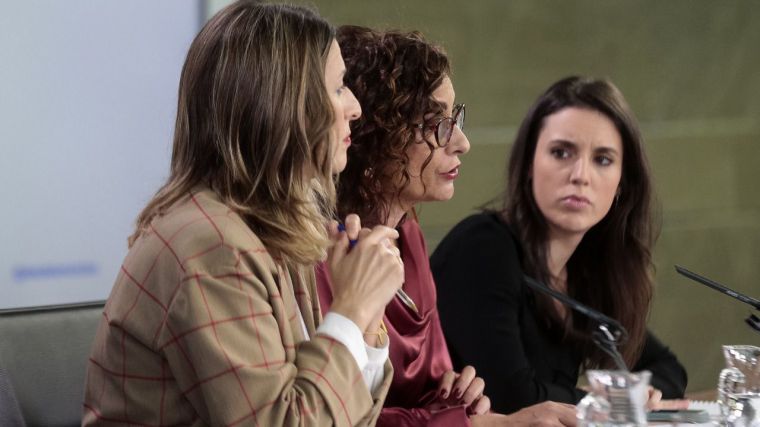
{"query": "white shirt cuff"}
[(374, 372), (345, 331), (370, 360)]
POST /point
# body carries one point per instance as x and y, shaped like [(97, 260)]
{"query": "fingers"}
[(463, 383), (474, 391), (353, 226), (554, 412), (343, 235), (355, 233), (566, 414), (481, 406), (672, 405), (655, 396), (338, 250), (391, 247), (377, 235), (447, 382)]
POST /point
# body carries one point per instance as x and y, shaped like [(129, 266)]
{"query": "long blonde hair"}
[(253, 125)]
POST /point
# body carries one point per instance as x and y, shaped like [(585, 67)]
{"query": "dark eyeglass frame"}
[(444, 126)]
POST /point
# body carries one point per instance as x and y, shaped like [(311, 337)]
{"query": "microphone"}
[(753, 321), (610, 333)]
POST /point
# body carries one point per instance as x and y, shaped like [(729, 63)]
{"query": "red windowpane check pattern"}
[(202, 327)]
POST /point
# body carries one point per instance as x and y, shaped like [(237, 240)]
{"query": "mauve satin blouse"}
[(417, 347)]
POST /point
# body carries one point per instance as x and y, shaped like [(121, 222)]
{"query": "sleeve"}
[(416, 417), (234, 361), (668, 375), (370, 360), (479, 280)]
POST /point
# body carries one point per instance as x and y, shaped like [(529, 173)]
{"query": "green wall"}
[(691, 71)]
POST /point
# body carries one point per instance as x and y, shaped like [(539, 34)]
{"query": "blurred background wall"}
[(689, 68)]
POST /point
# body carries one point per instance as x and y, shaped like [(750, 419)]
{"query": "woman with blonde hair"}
[(214, 318)]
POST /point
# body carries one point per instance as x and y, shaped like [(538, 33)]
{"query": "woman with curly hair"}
[(406, 149), (577, 216)]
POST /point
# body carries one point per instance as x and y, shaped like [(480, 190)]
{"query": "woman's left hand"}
[(656, 403), (464, 389)]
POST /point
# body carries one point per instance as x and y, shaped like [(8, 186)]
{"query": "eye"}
[(604, 160), (560, 153), (340, 90)]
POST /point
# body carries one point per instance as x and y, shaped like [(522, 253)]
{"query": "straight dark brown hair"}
[(253, 125), (611, 269)]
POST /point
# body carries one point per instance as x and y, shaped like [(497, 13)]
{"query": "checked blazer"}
[(201, 328)]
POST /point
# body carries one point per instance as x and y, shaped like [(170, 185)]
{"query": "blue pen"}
[(351, 242)]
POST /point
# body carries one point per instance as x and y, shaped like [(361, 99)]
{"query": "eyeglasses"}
[(444, 126)]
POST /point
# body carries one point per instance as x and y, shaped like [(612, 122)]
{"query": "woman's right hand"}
[(365, 277), (545, 414), (464, 388)]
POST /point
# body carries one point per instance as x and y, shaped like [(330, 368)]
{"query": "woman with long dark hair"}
[(405, 150), (214, 318), (577, 216)]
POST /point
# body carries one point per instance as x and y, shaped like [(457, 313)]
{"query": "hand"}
[(546, 414), (365, 277), (656, 403), (464, 389)]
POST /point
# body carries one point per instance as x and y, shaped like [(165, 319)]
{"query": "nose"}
[(353, 109), (579, 174), (459, 144)]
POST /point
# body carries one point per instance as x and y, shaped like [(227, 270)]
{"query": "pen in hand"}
[(406, 299), (351, 242)]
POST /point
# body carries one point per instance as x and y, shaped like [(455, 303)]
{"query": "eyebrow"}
[(606, 150), (603, 149), (445, 107)]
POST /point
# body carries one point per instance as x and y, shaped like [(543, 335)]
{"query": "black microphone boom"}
[(753, 321), (610, 333)]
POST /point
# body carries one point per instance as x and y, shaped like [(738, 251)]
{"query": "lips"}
[(347, 140), (451, 174), (575, 202)]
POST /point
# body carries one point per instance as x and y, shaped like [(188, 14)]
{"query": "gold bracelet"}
[(382, 333)]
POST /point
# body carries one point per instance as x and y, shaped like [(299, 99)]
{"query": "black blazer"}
[(490, 322)]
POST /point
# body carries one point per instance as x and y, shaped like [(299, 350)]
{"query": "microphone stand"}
[(753, 321), (609, 334)]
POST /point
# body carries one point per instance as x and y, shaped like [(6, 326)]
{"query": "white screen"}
[(87, 105)]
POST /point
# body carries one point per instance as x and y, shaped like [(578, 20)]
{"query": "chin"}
[(339, 163), (442, 196)]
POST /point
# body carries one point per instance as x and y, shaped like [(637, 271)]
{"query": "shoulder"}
[(476, 234), (201, 232), (411, 234), (481, 251)]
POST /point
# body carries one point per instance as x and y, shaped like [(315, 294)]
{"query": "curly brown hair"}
[(393, 74)]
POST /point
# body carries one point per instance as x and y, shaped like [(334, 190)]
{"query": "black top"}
[(490, 322)]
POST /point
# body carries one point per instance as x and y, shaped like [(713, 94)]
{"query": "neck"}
[(559, 251), (395, 213)]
